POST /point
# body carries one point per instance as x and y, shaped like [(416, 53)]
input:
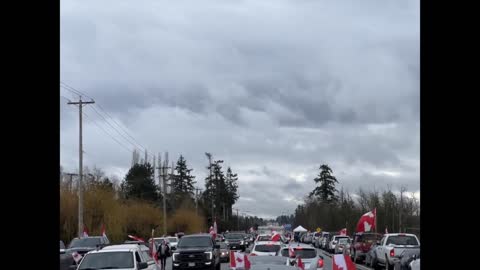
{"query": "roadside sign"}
[(319, 230)]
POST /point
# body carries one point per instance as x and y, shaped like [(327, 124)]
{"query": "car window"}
[(382, 241), (402, 240), (304, 253), (267, 248), (84, 242), (146, 255), (111, 260), (195, 242)]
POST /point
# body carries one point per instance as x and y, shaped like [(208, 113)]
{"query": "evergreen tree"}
[(139, 183), (182, 182), (326, 191), (231, 190)]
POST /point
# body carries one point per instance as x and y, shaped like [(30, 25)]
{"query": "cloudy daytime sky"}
[(273, 87)]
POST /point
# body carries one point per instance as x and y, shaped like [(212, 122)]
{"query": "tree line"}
[(331, 209), (134, 205)]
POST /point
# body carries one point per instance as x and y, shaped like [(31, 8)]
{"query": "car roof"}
[(197, 235), (123, 247), (302, 246), (268, 243), (399, 234)]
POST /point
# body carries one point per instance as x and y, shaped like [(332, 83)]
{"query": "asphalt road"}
[(327, 258)]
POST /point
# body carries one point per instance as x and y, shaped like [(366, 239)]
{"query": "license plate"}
[(190, 264), (234, 247)]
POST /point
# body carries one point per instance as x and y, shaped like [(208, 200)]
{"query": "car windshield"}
[(107, 260), (172, 239), (222, 245), (343, 241), (195, 242), (264, 238), (402, 240), (85, 242), (304, 253), (234, 236), (267, 248)]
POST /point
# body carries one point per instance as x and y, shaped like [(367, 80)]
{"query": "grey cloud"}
[(337, 82)]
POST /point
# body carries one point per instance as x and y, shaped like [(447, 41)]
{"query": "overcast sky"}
[(273, 87)]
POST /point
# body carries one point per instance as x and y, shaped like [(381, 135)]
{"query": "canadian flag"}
[(300, 264), (76, 257), (276, 237), (103, 232), (136, 238), (154, 248), (342, 262), (212, 230), (367, 221), (85, 231), (343, 231), (291, 252), (239, 260)]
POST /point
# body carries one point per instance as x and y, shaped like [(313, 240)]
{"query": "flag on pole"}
[(343, 231), (103, 233), (136, 238), (85, 231), (342, 262), (291, 252), (367, 222), (300, 264), (154, 248), (276, 237)]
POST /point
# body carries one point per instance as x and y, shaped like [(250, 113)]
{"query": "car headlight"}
[(174, 256), (209, 255)]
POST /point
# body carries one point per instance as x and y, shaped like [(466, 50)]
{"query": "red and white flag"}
[(300, 264), (342, 262), (153, 248), (103, 232), (291, 252), (367, 221), (343, 231), (239, 260), (85, 231), (76, 257), (276, 237), (136, 238)]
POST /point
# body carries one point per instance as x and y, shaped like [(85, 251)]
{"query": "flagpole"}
[(375, 220)]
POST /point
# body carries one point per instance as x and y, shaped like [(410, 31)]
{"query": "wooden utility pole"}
[(80, 104)]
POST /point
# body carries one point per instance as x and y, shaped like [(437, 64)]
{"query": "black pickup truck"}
[(196, 251)]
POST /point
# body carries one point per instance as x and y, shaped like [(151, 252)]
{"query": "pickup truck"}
[(390, 249), (196, 251)]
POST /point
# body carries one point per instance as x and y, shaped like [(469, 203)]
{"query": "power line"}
[(129, 141), (80, 93), (108, 134)]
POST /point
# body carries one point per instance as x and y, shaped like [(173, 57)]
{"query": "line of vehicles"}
[(396, 251), (393, 251)]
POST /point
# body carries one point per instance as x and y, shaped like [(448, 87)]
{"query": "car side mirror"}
[(216, 246), (142, 265)]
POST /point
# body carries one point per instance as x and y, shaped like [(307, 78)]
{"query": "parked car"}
[(235, 241), (323, 240), (196, 251), (316, 235), (224, 252), (308, 238), (86, 244), (362, 243), (266, 248), (392, 246), (127, 256), (343, 244), (172, 241), (332, 244), (309, 255)]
